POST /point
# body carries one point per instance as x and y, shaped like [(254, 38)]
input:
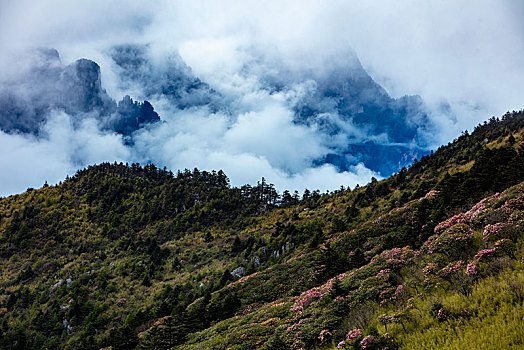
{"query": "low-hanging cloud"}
[(28, 161), (464, 58)]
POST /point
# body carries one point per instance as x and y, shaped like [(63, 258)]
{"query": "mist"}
[(465, 59)]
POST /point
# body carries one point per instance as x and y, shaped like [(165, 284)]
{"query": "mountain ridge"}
[(353, 117)]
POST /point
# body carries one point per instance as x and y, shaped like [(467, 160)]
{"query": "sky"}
[(468, 54)]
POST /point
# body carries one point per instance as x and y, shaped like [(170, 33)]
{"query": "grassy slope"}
[(494, 299), (499, 319)]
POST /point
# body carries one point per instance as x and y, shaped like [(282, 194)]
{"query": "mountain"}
[(129, 256), (361, 122), (171, 78), (353, 116), (75, 89)]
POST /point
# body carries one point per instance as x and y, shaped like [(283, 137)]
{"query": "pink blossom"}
[(451, 242), (490, 230), (431, 193), (472, 269), (367, 342), (485, 254), (385, 319), (459, 218), (324, 335), (442, 314), (410, 303), (384, 273), (430, 269), (451, 269), (314, 295), (396, 257), (499, 230), (354, 334)]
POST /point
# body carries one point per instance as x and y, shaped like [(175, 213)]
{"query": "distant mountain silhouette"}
[(75, 89), (345, 103), (357, 119)]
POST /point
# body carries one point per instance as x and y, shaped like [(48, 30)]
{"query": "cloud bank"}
[(465, 59)]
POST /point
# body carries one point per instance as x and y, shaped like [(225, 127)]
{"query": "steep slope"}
[(128, 256), (171, 78), (48, 86), (359, 119)]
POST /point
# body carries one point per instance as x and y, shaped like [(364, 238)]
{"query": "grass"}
[(497, 321)]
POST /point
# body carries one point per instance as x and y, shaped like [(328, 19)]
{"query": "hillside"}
[(130, 256)]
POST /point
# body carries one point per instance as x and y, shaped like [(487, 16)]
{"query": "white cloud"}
[(468, 53), (29, 162)]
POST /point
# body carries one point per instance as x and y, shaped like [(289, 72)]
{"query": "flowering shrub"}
[(314, 295), (430, 194), (456, 219), (430, 269), (474, 216), (485, 254), (514, 204), (516, 218), (324, 336), (385, 320), (387, 295), (459, 228), (450, 270), (442, 314), (397, 318), (352, 340), (453, 242), (396, 258), (472, 269), (354, 334), (410, 303), (368, 342), (498, 231), (384, 273)]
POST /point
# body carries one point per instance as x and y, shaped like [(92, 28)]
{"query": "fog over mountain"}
[(315, 94)]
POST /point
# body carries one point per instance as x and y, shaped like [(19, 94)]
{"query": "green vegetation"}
[(137, 257), (490, 316)]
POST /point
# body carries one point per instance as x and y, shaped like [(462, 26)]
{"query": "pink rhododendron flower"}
[(472, 269), (354, 334), (368, 342)]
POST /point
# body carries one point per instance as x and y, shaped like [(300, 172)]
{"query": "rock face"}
[(132, 115), (81, 88), (75, 89), (238, 272), (171, 78), (358, 117)]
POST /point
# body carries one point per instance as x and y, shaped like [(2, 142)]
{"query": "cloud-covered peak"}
[(213, 73), (140, 73), (356, 118), (255, 129), (29, 98)]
